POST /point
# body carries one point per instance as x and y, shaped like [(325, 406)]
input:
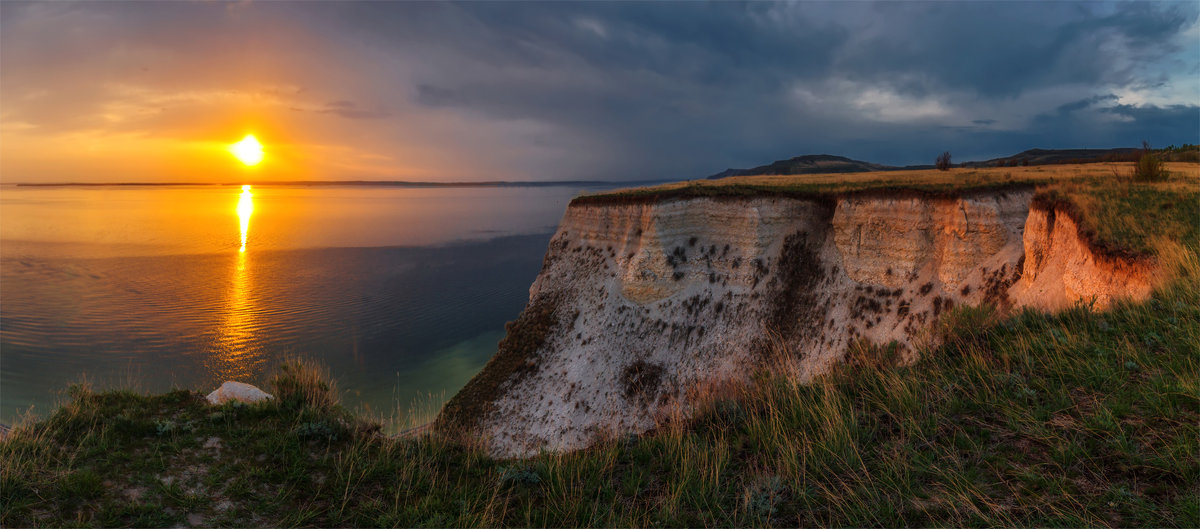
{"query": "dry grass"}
[(1117, 213), (1125, 216), (1188, 174), (304, 383)]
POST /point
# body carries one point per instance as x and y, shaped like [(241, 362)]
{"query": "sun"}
[(249, 150)]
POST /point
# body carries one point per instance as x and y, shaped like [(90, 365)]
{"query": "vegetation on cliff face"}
[(1077, 418)]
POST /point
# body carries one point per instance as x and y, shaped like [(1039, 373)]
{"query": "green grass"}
[(1132, 218), (1078, 418)]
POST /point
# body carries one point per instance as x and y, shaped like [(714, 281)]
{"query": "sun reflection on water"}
[(236, 359), (244, 208)]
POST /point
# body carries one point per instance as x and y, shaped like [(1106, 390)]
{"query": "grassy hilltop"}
[(1124, 214), (1077, 418)]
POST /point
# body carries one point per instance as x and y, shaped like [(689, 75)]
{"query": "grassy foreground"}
[(1072, 419), (1064, 420)]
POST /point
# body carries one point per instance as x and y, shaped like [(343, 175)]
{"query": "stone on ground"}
[(238, 391)]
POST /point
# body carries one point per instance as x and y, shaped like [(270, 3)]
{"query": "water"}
[(401, 292)]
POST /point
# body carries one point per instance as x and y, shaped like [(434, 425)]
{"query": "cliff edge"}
[(642, 303)]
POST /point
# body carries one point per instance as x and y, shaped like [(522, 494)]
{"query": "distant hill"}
[(808, 164), (826, 163), (1060, 156)]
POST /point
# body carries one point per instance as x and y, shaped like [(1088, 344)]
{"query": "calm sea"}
[(401, 292)]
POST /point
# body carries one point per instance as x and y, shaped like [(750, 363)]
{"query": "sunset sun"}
[(249, 150)]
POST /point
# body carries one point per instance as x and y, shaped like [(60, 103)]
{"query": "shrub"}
[(320, 431), (519, 475), (943, 161), (1149, 166), (762, 498), (302, 384)]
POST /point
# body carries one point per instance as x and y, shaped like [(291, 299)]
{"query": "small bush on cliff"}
[(519, 475), (302, 383), (1149, 167), (763, 497), (943, 161)]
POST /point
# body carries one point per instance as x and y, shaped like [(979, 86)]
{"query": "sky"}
[(155, 91)]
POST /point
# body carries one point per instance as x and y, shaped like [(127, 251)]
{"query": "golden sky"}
[(108, 93)]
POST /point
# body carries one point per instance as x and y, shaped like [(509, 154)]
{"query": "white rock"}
[(238, 391), (642, 307)]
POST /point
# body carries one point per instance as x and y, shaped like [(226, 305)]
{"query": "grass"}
[(1133, 218), (1069, 419)]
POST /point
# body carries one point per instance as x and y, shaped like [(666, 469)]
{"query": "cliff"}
[(641, 303)]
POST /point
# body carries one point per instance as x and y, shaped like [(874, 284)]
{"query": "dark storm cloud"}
[(637, 90), (1085, 103), (1161, 119), (712, 43), (1005, 49), (1100, 121), (679, 87)]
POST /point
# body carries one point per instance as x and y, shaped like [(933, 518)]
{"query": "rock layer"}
[(639, 304), (1061, 269)]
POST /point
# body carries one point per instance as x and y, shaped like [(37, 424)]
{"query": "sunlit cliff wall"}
[(639, 303)]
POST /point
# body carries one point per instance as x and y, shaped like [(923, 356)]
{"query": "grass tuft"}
[(303, 383)]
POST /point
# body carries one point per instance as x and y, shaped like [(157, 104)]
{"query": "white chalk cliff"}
[(640, 301)]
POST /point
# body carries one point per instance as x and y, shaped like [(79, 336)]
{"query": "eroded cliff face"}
[(639, 304), (1061, 269)]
